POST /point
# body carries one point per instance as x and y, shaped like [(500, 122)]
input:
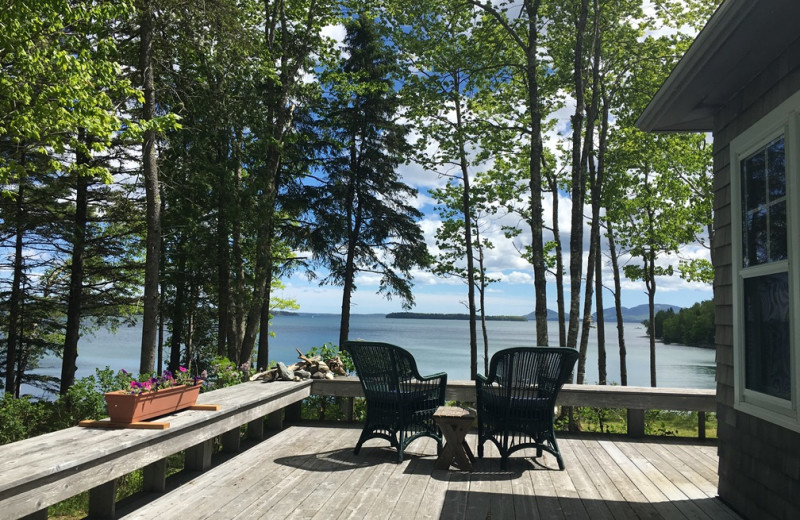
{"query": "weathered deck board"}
[(310, 472)]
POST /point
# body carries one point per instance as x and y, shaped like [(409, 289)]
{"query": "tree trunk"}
[(75, 297), (612, 248), (578, 180), (602, 376), (262, 362), (559, 274), (473, 333), (246, 350), (151, 184), (650, 282), (226, 343), (482, 292), (263, 274), (15, 300), (190, 329), (179, 309), (587, 314), (237, 257), (535, 181), (349, 274), (224, 347)]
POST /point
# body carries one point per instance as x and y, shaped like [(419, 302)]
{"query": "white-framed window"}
[(765, 218)]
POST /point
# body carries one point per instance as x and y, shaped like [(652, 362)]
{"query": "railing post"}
[(347, 408), (635, 422), (154, 476), (102, 500), (701, 425)]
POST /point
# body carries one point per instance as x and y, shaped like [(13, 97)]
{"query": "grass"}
[(657, 422)]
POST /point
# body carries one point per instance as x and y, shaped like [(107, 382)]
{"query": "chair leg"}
[(365, 434), (556, 451)]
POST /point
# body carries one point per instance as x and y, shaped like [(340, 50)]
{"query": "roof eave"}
[(677, 89)]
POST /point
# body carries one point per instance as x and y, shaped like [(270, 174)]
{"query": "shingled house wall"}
[(759, 468)]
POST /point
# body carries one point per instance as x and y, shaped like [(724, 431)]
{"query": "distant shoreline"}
[(437, 316)]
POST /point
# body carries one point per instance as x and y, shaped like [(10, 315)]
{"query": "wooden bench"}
[(39, 472)]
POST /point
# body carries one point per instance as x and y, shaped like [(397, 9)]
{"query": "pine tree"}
[(364, 222)]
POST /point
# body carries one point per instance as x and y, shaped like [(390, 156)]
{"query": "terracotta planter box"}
[(125, 407)]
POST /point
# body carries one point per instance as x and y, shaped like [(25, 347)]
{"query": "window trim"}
[(783, 120)]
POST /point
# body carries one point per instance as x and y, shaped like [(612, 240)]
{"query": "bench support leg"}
[(231, 441), (255, 429), (154, 476), (38, 515), (198, 458), (275, 420), (102, 501), (294, 412)]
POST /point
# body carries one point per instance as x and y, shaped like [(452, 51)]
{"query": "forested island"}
[(693, 326), (436, 316)]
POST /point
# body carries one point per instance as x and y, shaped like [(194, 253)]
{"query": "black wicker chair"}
[(516, 402), (400, 402)]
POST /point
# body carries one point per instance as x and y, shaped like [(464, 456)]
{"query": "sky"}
[(513, 294)]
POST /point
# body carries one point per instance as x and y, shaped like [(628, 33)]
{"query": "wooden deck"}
[(310, 471)]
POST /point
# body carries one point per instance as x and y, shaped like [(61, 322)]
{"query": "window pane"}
[(766, 314), (763, 196), (755, 238), (754, 180), (777, 232), (776, 169)]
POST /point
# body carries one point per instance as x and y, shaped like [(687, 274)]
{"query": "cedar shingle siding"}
[(759, 463)]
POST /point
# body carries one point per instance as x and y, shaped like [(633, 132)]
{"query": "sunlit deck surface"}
[(309, 471)]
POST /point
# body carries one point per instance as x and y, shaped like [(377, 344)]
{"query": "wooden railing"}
[(634, 399), (42, 471)]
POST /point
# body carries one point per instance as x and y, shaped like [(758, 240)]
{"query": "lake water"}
[(437, 345)]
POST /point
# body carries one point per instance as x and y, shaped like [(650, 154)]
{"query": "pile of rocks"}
[(307, 368)]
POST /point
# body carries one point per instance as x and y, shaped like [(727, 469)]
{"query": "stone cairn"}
[(307, 368)]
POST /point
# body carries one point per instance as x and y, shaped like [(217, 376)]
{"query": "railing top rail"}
[(601, 396)]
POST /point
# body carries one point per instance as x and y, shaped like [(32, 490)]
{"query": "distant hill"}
[(629, 314), (635, 314), (438, 316)]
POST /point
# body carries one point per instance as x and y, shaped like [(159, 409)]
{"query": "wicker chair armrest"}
[(438, 375)]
